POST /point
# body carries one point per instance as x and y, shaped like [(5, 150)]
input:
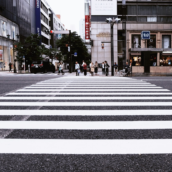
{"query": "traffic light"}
[(51, 31), (102, 46), (91, 43)]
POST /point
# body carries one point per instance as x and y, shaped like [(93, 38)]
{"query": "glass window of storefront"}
[(166, 41), (153, 59), (166, 60), (136, 41), (151, 43)]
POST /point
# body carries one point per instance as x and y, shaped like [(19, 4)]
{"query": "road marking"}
[(80, 125), (94, 94), (87, 87), (97, 90), (152, 112), (103, 104), (85, 98), (53, 146)]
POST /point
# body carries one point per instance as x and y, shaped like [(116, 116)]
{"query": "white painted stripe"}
[(85, 98), (105, 94), (33, 87), (89, 84), (144, 112), (86, 104), (53, 146), (105, 90), (80, 125)]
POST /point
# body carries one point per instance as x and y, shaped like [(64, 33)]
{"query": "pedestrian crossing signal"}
[(102, 46)]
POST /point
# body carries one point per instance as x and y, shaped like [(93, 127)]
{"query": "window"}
[(147, 10), (136, 41), (166, 60), (151, 19), (151, 43), (166, 41), (132, 10), (153, 60)]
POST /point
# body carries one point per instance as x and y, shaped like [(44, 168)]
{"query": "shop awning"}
[(146, 49), (135, 54), (167, 53)]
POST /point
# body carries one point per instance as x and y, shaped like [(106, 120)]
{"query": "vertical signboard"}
[(1, 56), (38, 17), (3, 28), (87, 22)]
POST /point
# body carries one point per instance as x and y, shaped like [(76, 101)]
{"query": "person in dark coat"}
[(85, 68), (10, 65), (106, 68), (116, 67)]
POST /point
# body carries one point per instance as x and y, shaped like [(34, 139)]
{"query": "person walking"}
[(62, 67), (116, 68), (82, 68), (10, 65), (96, 67), (106, 68), (77, 68), (103, 68), (85, 68), (92, 69)]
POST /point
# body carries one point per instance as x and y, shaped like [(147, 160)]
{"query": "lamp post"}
[(112, 22)]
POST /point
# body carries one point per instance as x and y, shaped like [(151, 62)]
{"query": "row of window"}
[(150, 19), (44, 19), (151, 43), (146, 10), (44, 8)]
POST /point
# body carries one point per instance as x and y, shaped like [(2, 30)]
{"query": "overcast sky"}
[(71, 11)]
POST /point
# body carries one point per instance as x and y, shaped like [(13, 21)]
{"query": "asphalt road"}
[(85, 163)]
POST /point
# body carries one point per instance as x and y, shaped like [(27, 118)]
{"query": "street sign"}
[(63, 32), (68, 49), (145, 34), (75, 54)]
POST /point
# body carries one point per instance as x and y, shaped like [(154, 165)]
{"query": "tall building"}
[(146, 56), (16, 18), (82, 29)]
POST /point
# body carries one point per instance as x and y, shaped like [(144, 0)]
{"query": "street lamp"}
[(112, 22)]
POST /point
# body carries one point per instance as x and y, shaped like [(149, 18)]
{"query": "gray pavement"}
[(34, 161)]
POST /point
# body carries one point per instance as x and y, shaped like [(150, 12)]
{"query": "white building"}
[(82, 29)]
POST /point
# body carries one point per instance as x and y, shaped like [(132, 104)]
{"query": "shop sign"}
[(87, 28), (1, 55), (105, 7), (103, 34), (145, 35)]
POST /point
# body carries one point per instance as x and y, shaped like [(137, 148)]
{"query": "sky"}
[(71, 11)]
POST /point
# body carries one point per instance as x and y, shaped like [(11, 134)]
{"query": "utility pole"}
[(69, 49), (112, 51)]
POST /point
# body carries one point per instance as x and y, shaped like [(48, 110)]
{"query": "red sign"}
[(87, 27)]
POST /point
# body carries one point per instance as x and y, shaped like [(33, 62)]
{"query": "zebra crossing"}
[(88, 108)]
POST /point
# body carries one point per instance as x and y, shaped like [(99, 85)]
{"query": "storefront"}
[(8, 32)]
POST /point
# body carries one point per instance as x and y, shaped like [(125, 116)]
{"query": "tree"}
[(77, 45), (31, 49)]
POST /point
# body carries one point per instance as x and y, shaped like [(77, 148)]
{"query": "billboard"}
[(105, 7), (3, 29), (38, 17)]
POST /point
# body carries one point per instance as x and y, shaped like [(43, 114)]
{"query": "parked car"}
[(42, 66)]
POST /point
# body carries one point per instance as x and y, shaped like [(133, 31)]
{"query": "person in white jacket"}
[(77, 68)]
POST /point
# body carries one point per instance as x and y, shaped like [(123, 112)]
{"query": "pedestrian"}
[(77, 68), (58, 64), (103, 68), (116, 68), (10, 65), (96, 67), (92, 68), (82, 68), (85, 68), (126, 68), (106, 68), (62, 67)]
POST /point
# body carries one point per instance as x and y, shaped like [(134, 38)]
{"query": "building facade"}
[(145, 56), (16, 18)]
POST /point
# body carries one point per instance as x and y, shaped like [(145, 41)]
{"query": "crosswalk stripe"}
[(94, 94), (52, 146), (89, 87), (104, 104), (51, 125), (85, 98), (152, 112), (97, 90)]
